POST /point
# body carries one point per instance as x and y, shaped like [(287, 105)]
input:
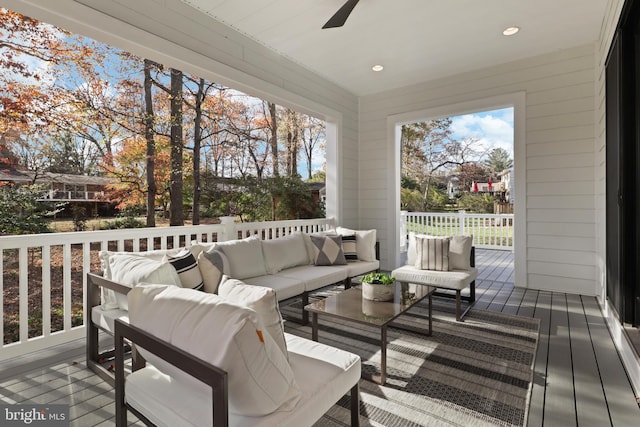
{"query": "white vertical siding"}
[(559, 158), (177, 35)]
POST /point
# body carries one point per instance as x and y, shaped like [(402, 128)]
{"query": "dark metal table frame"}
[(343, 306)]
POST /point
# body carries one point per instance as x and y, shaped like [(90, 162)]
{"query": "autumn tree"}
[(313, 135), (428, 148)]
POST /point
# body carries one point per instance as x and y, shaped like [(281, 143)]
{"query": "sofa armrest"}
[(95, 282), (378, 250), (209, 374)]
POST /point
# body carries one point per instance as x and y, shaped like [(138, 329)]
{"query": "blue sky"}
[(492, 128)]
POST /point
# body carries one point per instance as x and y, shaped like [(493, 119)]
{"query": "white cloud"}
[(493, 129)]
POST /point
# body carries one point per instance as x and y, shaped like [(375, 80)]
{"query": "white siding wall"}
[(559, 160), (172, 33)]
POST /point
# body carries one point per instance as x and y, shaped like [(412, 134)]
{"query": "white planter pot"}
[(378, 292)]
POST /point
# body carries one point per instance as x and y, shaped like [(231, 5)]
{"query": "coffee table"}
[(350, 306)]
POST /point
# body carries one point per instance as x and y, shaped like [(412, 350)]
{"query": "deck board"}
[(591, 405), (578, 376)]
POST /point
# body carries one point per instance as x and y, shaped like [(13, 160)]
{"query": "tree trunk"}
[(274, 139), (197, 136), (176, 208), (151, 145)]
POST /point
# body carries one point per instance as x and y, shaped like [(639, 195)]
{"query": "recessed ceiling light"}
[(510, 31), (377, 68)]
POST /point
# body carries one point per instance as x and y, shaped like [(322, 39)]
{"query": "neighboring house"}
[(506, 185), (78, 190)]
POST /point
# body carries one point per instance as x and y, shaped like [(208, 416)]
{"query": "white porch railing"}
[(35, 267), (489, 231)]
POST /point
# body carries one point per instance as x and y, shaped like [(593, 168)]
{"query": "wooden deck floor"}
[(579, 378)]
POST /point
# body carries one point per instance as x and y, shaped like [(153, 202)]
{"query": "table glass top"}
[(349, 304)]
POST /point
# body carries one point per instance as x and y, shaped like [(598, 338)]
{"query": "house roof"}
[(416, 40), (48, 177)]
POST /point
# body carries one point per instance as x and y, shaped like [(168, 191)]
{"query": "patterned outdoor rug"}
[(472, 373)]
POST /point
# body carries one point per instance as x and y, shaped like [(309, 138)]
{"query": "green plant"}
[(378, 279)]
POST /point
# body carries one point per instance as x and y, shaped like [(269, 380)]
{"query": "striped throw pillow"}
[(187, 267), (432, 253), (350, 248)]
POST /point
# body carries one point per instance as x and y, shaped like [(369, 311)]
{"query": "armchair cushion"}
[(460, 252), (222, 333)]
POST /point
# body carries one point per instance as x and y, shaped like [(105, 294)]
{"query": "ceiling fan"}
[(340, 17)]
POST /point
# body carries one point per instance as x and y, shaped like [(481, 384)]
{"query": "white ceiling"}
[(415, 40)]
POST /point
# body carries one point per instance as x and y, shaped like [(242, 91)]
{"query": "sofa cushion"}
[(365, 241), (328, 250), (131, 270), (260, 299), (316, 277), (460, 252), (284, 252), (187, 268), (213, 264), (453, 279), (432, 253), (245, 257), (349, 247), (285, 287), (222, 333)]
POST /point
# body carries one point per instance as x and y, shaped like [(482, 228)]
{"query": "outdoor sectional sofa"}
[(286, 264)]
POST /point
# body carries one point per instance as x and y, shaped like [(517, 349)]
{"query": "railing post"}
[(403, 231), (461, 215), (229, 223)]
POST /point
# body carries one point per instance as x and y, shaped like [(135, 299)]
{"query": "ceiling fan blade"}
[(340, 17)]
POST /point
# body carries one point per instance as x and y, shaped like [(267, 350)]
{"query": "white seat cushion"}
[(316, 277), (453, 279), (326, 372), (104, 319), (285, 287)]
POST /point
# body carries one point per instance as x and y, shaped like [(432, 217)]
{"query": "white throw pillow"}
[(284, 252), (460, 252), (365, 242), (131, 270), (222, 333), (245, 257), (432, 253), (213, 264), (260, 299), (157, 255)]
